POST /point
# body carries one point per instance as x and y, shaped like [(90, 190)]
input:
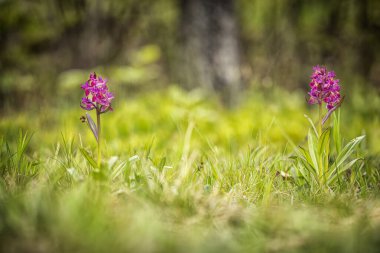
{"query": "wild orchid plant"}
[(318, 165), (98, 97), (324, 89)]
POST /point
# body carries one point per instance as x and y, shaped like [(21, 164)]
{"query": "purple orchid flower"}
[(97, 95), (325, 88)]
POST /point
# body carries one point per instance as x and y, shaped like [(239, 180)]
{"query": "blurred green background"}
[(47, 48), (256, 56), (209, 96)]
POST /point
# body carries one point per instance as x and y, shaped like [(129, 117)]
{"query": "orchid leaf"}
[(92, 126), (307, 171), (312, 124), (336, 132), (337, 171), (324, 141), (313, 155), (348, 149)]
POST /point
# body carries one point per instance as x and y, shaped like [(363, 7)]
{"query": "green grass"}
[(181, 173)]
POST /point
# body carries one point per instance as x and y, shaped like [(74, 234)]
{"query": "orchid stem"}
[(320, 120), (320, 158), (99, 134)]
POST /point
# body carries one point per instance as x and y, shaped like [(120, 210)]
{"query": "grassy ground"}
[(182, 174)]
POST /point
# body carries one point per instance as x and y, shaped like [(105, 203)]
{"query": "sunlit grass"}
[(181, 173)]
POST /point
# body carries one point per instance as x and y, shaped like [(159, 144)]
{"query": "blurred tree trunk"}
[(210, 51), (365, 55)]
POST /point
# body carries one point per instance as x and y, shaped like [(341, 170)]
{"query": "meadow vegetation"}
[(178, 171), (181, 173)]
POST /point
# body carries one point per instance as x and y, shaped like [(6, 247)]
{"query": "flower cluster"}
[(97, 95), (324, 88)]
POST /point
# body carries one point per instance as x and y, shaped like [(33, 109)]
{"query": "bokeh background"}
[(48, 47), (198, 154)]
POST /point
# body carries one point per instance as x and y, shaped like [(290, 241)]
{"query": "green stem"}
[(320, 157), (320, 120), (99, 134)]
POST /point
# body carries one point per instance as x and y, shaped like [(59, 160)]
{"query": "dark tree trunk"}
[(210, 51), (365, 52)]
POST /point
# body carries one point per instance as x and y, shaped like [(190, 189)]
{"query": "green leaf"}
[(348, 149), (92, 126), (89, 159), (303, 154), (336, 132), (312, 124), (324, 141), (324, 150), (337, 172), (307, 171), (312, 151)]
